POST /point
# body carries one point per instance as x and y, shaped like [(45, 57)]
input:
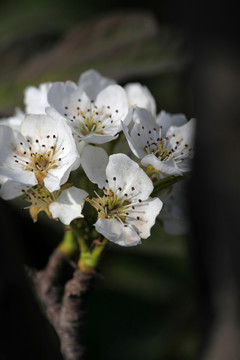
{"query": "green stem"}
[(68, 245), (89, 258)]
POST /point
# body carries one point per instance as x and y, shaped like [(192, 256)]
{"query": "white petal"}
[(9, 168), (137, 151), (43, 127), (98, 138), (94, 161), (165, 120), (3, 179), (185, 133), (69, 205), (150, 209), (35, 99), (167, 167), (14, 121), (10, 190), (92, 82), (61, 94), (115, 97), (114, 231), (144, 130), (141, 96), (128, 174)]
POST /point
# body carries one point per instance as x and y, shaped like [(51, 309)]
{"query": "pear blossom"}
[(139, 95), (14, 121), (65, 204), (35, 98), (94, 108), (174, 214), (126, 213), (42, 152), (92, 82), (166, 143)]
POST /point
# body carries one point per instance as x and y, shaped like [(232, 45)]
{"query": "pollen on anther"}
[(133, 188), (139, 200), (114, 178)]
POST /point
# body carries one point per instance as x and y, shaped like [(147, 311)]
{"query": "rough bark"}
[(64, 289), (73, 315)]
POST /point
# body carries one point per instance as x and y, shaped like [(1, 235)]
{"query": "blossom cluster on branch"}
[(60, 155)]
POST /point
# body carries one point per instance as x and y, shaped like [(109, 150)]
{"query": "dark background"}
[(172, 298)]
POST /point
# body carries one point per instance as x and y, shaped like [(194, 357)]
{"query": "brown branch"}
[(73, 315), (64, 293), (49, 284)]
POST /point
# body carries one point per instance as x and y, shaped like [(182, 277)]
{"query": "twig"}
[(73, 315), (49, 284)]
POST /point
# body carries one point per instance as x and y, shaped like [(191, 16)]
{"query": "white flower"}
[(92, 82), (174, 212), (35, 98), (165, 144), (93, 108), (14, 121), (66, 204), (139, 95), (43, 151), (126, 213)]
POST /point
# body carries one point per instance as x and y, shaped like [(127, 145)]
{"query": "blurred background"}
[(173, 297)]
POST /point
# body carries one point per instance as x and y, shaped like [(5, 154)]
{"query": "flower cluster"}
[(68, 127)]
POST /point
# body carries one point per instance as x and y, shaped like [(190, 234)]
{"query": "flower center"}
[(37, 157), (117, 204), (160, 148), (39, 196), (91, 119)]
